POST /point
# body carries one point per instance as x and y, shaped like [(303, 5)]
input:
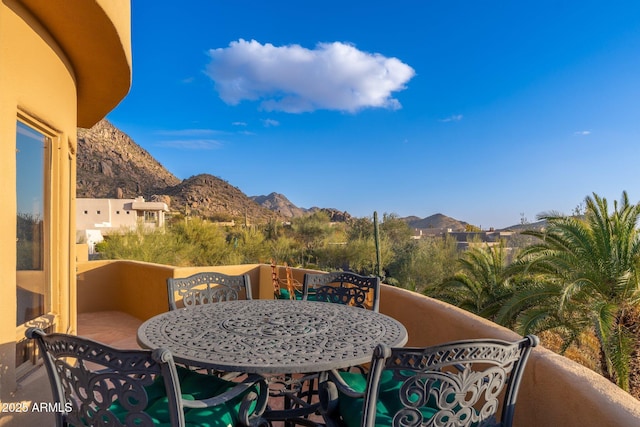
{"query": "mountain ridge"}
[(436, 221), (111, 165)]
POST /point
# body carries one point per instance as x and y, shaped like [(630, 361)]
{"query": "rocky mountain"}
[(111, 165), (209, 196), (277, 202)]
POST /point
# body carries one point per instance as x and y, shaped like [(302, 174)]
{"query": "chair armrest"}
[(342, 386), (252, 405), (329, 392), (239, 389)]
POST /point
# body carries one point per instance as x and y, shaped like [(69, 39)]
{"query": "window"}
[(33, 293), (150, 217)]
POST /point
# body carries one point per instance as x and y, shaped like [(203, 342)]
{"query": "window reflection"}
[(31, 147)]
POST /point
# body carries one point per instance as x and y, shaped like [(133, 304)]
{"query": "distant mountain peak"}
[(277, 202), (436, 221)]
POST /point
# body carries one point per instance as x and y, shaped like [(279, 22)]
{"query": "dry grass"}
[(585, 351)]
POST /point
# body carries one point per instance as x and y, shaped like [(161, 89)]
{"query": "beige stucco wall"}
[(95, 38), (49, 97), (48, 52), (555, 391), (140, 289)]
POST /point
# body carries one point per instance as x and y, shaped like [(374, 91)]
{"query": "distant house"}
[(491, 237), (464, 239), (98, 217), (424, 233)]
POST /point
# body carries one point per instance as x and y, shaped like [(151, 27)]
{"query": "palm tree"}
[(585, 272), (482, 284)]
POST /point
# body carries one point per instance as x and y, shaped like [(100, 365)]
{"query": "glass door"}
[(32, 289)]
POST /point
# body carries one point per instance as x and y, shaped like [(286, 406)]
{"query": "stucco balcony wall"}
[(140, 289), (555, 391)]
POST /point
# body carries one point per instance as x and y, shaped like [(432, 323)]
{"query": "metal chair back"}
[(344, 288), (95, 384), (87, 377), (206, 288), (462, 383)]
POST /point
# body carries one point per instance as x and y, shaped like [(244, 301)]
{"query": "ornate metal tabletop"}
[(271, 336)]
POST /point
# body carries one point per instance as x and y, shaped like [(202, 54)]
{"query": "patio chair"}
[(208, 287), (95, 384), (462, 383), (344, 288)]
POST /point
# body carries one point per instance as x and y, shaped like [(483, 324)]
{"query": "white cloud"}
[(270, 123), (294, 79), (454, 118), (239, 123), (582, 132)]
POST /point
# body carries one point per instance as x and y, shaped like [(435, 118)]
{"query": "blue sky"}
[(485, 111)]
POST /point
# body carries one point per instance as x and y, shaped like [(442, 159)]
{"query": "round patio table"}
[(271, 336)]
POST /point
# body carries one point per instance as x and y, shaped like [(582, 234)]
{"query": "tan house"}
[(96, 218), (62, 65), (67, 63)]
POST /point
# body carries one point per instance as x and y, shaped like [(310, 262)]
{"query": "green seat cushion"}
[(311, 296), (285, 294), (387, 405), (194, 386)]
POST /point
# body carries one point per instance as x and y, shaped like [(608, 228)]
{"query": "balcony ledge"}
[(554, 391)]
